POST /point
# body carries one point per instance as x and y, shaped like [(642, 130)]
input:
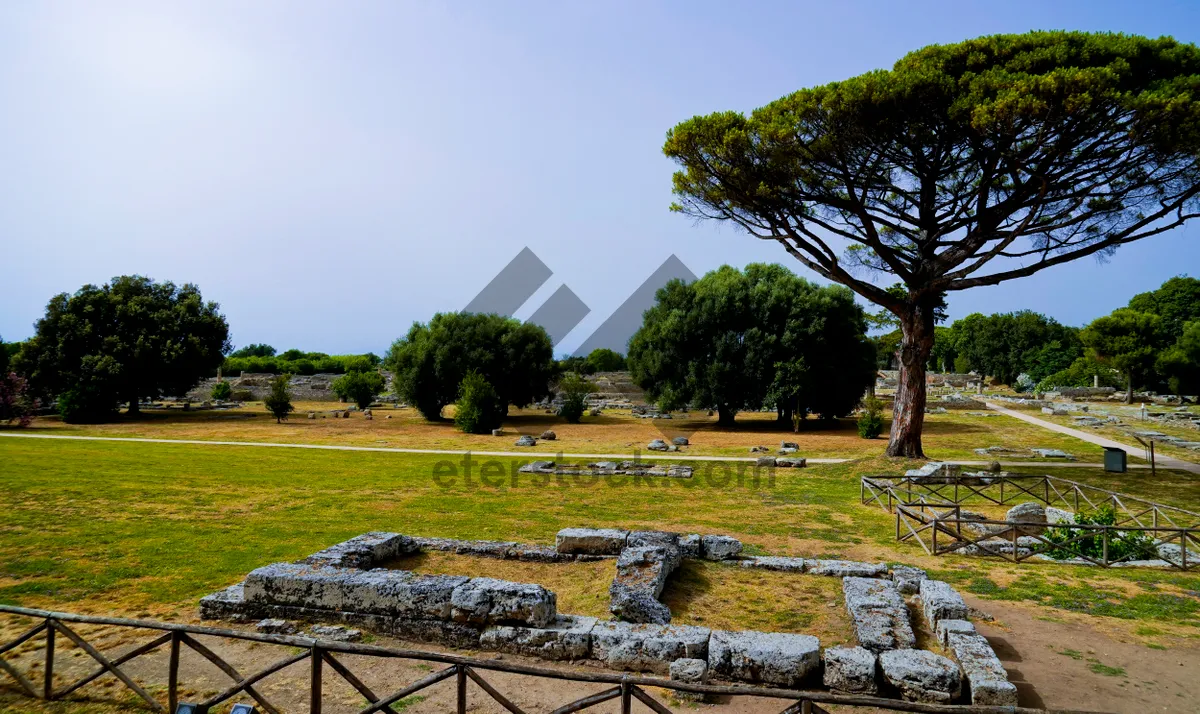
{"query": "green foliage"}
[(1081, 373), (478, 408), (133, 338), (298, 362), (15, 403), (870, 422), (603, 359), (4, 357), (885, 349), (221, 391), (279, 398), (1008, 344), (1180, 363), (734, 340), (253, 350), (359, 387), (1127, 340), (431, 361), (1177, 302), (1122, 545), (574, 389)]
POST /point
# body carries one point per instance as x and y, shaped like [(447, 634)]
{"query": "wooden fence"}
[(624, 689), (928, 507)]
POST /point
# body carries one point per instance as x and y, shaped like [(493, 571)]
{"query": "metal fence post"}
[(48, 682)]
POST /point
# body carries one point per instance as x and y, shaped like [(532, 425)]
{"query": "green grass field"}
[(149, 528)]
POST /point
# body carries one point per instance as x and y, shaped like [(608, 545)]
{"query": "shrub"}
[(1122, 545), (222, 391), (575, 390), (242, 395), (870, 422), (603, 359), (15, 402), (478, 407), (359, 387), (279, 399), (86, 404)]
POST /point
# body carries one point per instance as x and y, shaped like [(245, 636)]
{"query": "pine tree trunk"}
[(1129, 392), (908, 414), (134, 408)]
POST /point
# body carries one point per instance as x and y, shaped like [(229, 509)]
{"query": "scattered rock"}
[(680, 441), (525, 441), (276, 627), (791, 462), (850, 670), (337, 633), (767, 461), (786, 451), (312, 415), (658, 445), (995, 467), (497, 432), (789, 445), (1029, 512), (921, 676), (548, 436), (759, 449)]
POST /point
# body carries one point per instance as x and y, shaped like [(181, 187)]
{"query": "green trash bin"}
[(1114, 460)]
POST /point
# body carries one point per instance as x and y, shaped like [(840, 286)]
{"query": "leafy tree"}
[(734, 340), (279, 399), (1126, 340), (886, 346), (123, 341), (1180, 363), (944, 351), (964, 165), (1176, 301), (430, 362), (359, 387), (1008, 344), (254, 350), (1083, 372), (222, 391), (293, 354), (574, 389), (603, 359), (478, 408), (15, 402)]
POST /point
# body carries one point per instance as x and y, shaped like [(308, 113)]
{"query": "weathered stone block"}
[(719, 547), (941, 602), (337, 633), (649, 648), (487, 601), (591, 541), (985, 676), (663, 539), (689, 671), (1032, 513), (689, 546), (364, 551), (380, 592), (484, 548), (569, 637), (850, 670), (879, 614), (945, 628), (845, 568), (921, 676), (226, 604), (908, 579), (774, 562), (768, 657)]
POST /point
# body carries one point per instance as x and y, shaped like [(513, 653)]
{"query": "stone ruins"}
[(344, 585)]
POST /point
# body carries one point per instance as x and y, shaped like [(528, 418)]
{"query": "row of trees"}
[(1154, 341), (261, 358)]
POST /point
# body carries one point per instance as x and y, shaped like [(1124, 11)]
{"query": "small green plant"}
[(279, 399), (359, 387), (222, 391), (575, 390), (870, 422), (1107, 671), (478, 407), (1072, 542)]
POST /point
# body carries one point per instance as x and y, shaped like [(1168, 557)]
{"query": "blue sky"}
[(331, 172)]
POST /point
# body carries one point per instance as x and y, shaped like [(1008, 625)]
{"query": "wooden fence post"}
[(48, 682), (314, 696), (462, 689), (173, 674)]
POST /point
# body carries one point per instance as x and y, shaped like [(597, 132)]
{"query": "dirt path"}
[(1166, 462), (1057, 662)]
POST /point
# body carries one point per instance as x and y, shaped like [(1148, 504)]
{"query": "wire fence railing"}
[(623, 689)]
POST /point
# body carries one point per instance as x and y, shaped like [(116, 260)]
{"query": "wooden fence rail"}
[(464, 670)]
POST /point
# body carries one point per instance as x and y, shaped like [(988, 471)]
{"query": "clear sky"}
[(332, 171)]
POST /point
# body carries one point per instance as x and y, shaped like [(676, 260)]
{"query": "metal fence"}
[(624, 689), (927, 508)]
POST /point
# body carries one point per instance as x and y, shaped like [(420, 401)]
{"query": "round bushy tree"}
[(358, 387), (279, 399), (477, 410), (743, 339), (603, 359), (123, 341), (222, 391), (574, 389), (430, 362)]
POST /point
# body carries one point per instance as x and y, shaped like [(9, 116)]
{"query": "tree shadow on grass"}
[(684, 586)]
